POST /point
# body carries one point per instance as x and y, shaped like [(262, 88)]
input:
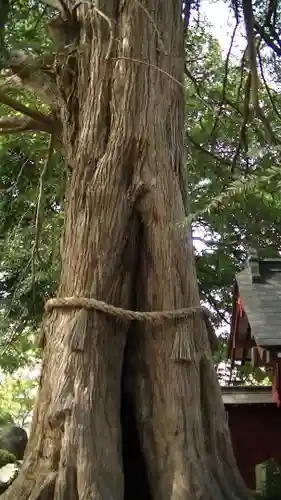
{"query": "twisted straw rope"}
[(99, 305)]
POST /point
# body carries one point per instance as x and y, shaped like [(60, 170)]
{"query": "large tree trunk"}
[(125, 243)]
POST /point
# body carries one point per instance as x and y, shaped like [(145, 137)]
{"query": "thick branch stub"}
[(35, 76), (16, 124), (46, 123), (61, 408)]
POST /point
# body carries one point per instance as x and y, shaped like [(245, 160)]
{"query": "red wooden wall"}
[(256, 436)]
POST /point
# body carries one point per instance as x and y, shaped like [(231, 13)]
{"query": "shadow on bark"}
[(136, 484)]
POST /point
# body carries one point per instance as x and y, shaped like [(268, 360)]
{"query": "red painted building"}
[(254, 413), (256, 317), (254, 422)]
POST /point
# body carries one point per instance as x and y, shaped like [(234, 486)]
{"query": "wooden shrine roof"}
[(256, 311), (261, 299)]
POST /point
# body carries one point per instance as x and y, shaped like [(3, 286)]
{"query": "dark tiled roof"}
[(259, 287)]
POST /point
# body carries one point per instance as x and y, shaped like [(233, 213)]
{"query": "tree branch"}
[(225, 80), (186, 15), (266, 38), (215, 306), (32, 113), (267, 87), (224, 161), (16, 124)]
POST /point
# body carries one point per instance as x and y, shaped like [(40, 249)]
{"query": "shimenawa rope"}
[(99, 305)]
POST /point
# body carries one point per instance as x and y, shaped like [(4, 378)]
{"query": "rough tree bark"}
[(121, 107)]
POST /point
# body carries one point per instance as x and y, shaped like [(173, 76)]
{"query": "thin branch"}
[(242, 68), (17, 124), (32, 30), (271, 137), (15, 334), (186, 15), (249, 20), (239, 111), (15, 184), (270, 20), (266, 38), (215, 306), (243, 130), (153, 24), (225, 79), (272, 10), (32, 113), (150, 65), (267, 87), (109, 22), (223, 161), (35, 250), (196, 86), (252, 25)]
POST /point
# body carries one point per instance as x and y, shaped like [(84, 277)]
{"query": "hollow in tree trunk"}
[(125, 243)]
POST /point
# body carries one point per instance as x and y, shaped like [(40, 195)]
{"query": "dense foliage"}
[(234, 177)]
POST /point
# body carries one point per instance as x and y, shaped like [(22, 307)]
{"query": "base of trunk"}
[(45, 484)]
